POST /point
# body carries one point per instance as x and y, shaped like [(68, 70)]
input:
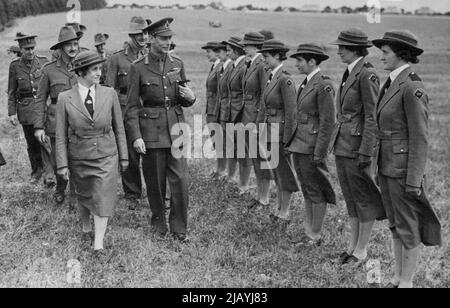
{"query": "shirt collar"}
[(238, 60), (275, 70), (84, 91), (313, 73), (351, 67), (226, 63), (394, 74), (255, 57), (216, 63)]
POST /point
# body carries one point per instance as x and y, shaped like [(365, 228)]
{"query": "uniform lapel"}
[(77, 102), (352, 79), (253, 67), (63, 68), (272, 83), (310, 86), (100, 101), (393, 89), (236, 70)]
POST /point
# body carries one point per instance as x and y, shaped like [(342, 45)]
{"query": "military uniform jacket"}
[(315, 117), (235, 91), (82, 137), (279, 105), (212, 84), (355, 132), (223, 110), (161, 106), (118, 70), (403, 123), (55, 79), (254, 82), (105, 56), (22, 88)]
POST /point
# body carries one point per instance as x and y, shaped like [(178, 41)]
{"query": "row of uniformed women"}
[(386, 128)]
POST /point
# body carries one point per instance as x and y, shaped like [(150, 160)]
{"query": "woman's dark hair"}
[(309, 56), (281, 53), (257, 46), (404, 53), (360, 51), (238, 51), (82, 72)]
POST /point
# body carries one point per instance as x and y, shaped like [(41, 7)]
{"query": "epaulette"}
[(139, 60), (49, 63), (15, 60), (41, 57), (287, 73), (414, 77), (175, 57), (118, 51), (368, 65), (326, 77)]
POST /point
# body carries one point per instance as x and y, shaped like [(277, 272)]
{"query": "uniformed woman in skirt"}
[(354, 142), (402, 116), (278, 107), (90, 144), (311, 139)]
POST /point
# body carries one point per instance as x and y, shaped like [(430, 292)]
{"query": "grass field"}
[(228, 247)]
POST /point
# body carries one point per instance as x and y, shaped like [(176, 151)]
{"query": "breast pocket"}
[(356, 135), (151, 87), (151, 124), (174, 77), (23, 84), (122, 79), (58, 86)]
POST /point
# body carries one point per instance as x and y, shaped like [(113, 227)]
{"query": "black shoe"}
[(353, 261), (343, 258), (87, 238), (181, 237), (59, 198), (49, 184), (254, 204)]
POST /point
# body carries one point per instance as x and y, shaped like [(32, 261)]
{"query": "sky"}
[(437, 5)]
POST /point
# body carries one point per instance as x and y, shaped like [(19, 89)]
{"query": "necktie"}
[(270, 78), (89, 103), (212, 68), (303, 85), (345, 77), (386, 88), (222, 71)]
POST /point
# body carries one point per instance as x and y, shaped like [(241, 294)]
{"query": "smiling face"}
[(390, 60), (71, 48), (101, 48), (211, 55), (271, 61), (92, 75), (160, 44), (140, 39), (305, 67), (347, 56)]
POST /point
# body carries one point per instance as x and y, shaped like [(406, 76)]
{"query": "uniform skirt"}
[(412, 220), (314, 180), (95, 183), (361, 194)]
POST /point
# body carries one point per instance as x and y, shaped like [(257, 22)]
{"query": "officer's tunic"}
[(22, 92), (311, 138), (154, 81), (355, 134), (278, 106), (117, 78), (402, 116), (55, 79), (91, 147), (212, 84)]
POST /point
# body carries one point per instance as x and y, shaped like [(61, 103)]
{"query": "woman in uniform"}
[(402, 116), (278, 108), (354, 142), (90, 143), (311, 139)]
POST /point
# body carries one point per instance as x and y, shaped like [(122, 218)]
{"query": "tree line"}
[(12, 9)]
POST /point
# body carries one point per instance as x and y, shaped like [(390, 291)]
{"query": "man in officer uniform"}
[(117, 78), (24, 75), (56, 78), (100, 44), (158, 80)]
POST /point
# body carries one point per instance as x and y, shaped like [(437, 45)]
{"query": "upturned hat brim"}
[(323, 57), (106, 37), (87, 65), (58, 45), (229, 43), (252, 43), (345, 43), (382, 42), (274, 49)]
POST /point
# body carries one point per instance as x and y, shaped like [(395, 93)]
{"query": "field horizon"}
[(229, 247)]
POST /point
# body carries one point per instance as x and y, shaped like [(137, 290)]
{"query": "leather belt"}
[(167, 103), (123, 91)]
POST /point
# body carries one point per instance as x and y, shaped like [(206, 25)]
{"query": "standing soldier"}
[(117, 78), (14, 52), (311, 139), (212, 83), (56, 78), (24, 75), (354, 142), (254, 81), (80, 30), (100, 44), (402, 116), (157, 80)]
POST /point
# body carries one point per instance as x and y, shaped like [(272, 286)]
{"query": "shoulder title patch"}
[(329, 89), (373, 77), (419, 93), (326, 77), (289, 82)]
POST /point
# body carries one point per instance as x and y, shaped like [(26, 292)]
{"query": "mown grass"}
[(229, 247)]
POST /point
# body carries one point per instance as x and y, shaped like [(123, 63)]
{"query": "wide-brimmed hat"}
[(66, 34), (161, 27), (137, 25), (354, 38), (100, 38), (86, 59), (25, 41), (234, 41), (14, 49), (314, 49), (79, 28), (253, 38), (210, 45), (268, 35), (274, 45), (406, 39)]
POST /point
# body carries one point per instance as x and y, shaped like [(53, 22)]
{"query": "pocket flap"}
[(122, 73), (149, 114), (150, 82), (273, 112), (356, 130), (58, 82), (303, 118), (400, 146)]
